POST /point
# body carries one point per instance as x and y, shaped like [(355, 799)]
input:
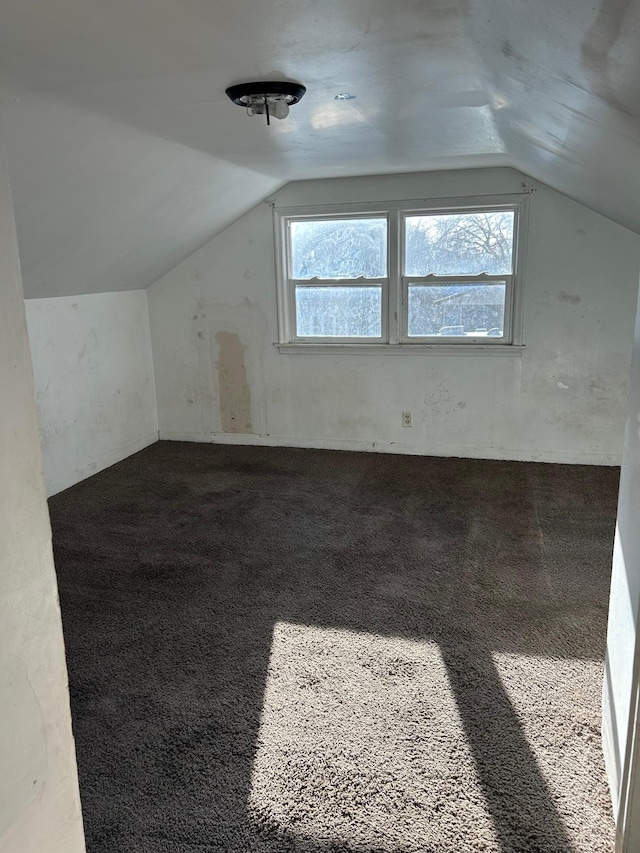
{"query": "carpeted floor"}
[(280, 650)]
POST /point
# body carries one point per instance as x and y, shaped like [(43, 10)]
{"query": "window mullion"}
[(393, 305)]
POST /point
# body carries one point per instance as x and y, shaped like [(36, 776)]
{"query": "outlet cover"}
[(406, 419)]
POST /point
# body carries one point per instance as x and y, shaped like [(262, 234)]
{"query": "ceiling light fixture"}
[(266, 98), (344, 96)]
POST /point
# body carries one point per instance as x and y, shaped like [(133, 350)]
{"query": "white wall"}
[(564, 400), (39, 801), (94, 381), (620, 694)]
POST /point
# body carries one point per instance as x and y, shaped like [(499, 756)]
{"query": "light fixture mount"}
[(266, 97)]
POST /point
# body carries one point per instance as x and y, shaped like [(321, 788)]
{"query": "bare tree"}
[(450, 244), (460, 243)]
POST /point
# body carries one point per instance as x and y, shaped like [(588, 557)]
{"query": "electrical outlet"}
[(406, 419)]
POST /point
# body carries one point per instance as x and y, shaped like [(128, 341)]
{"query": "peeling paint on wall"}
[(223, 367), (470, 405), (235, 396)]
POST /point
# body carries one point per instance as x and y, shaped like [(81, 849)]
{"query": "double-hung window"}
[(338, 278), (402, 275), (458, 275)]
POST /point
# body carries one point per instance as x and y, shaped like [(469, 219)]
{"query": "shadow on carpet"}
[(280, 650)]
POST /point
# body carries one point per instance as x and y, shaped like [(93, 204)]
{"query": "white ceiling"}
[(126, 155)]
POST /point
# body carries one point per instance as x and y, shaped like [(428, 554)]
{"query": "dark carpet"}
[(280, 650)]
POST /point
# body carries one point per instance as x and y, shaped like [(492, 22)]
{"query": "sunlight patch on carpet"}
[(564, 735), (361, 745)]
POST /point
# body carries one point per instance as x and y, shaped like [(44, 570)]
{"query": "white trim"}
[(506, 200), (626, 822), (613, 777), (395, 447), (312, 348), (395, 297), (282, 292), (520, 242)]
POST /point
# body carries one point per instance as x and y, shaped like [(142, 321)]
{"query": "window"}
[(458, 275), (400, 275), (338, 277)]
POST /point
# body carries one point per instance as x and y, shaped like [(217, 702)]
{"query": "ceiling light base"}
[(268, 98)]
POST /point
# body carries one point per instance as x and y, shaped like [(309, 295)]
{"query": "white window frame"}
[(395, 294), (361, 281)]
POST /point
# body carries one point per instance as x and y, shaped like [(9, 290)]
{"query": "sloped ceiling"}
[(125, 154)]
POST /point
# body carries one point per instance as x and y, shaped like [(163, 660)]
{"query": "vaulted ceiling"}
[(125, 154)]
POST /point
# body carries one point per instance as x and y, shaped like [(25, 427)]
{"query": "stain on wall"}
[(571, 298), (596, 50), (235, 396), (491, 407)]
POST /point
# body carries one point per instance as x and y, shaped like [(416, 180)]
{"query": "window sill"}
[(513, 350)]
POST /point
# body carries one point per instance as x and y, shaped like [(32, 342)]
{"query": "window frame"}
[(360, 281), (394, 314)]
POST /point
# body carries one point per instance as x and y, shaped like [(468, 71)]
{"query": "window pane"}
[(341, 312), (339, 248), (459, 243), (457, 310)]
